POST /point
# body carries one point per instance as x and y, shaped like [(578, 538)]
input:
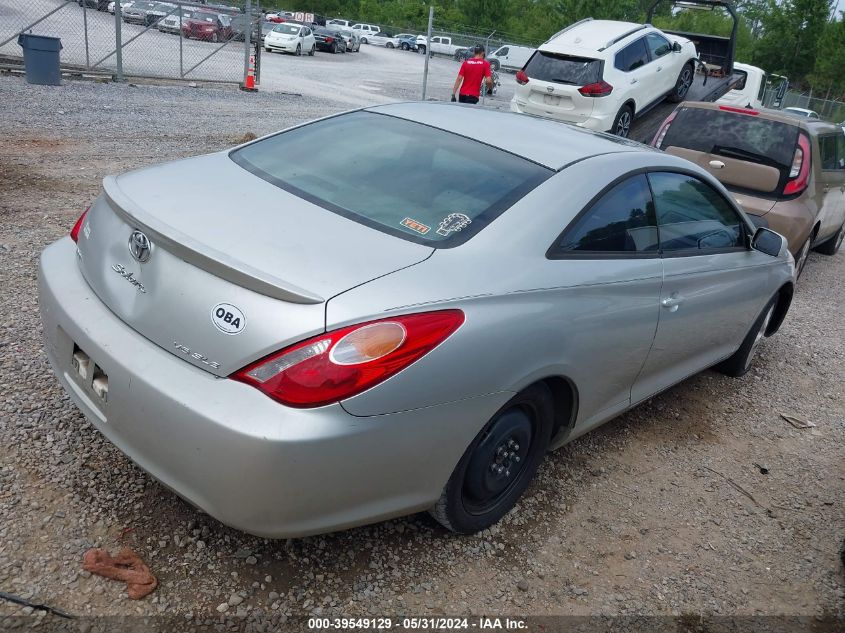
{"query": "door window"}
[(632, 56), (827, 149), (658, 46), (621, 222), (503, 52), (693, 217), (840, 151)]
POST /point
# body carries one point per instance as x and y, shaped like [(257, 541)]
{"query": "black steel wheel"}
[(499, 464)]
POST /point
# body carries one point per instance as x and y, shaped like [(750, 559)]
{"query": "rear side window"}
[(744, 137), (621, 222), (404, 178), (832, 150), (563, 69), (632, 56), (692, 216)]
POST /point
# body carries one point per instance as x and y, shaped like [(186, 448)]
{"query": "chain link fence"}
[(829, 110), (141, 38)]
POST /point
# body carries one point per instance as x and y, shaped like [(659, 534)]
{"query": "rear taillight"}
[(598, 89), (799, 173), (661, 133), (74, 232), (739, 110), (521, 78), (337, 365), (329, 40)]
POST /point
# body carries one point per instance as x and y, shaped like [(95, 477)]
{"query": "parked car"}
[(170, 23), (291, 38), (407, 42), (441, 45), (600, 74), (787, 172), (301, 388), (206, 25), (239, 24), (340, 24), (802, 112), (145, 13), (510, 57), (383, 38), (329, 40), (364, 31), (100, 5), (123, 6), (266, 27), (751, 89), (353, 44)]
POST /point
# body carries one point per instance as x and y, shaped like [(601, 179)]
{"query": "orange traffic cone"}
[(250, 76)]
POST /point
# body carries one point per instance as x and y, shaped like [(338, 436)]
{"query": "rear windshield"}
[(404, 178), (563, 69), (741, 136)]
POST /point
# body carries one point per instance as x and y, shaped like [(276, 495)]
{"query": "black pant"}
[(467, 99)]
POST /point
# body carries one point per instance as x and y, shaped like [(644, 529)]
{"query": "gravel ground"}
[(664, 511)]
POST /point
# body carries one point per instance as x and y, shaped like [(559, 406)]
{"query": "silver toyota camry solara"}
[(299, 341)]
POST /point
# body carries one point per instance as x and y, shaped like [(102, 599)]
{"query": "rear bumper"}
[(596, 121), (235, 453)]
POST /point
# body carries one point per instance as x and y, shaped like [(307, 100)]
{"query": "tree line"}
[(801, 39)]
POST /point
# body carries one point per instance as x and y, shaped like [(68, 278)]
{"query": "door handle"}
[(659, 68), (633, 81), (716, 164), (672, 302)]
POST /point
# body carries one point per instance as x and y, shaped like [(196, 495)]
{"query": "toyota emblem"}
[(140, 246)]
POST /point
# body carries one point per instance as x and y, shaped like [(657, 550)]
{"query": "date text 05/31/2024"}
[(418, 624)]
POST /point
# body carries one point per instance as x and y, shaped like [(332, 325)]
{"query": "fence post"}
[(118, 25), (247, 38), (181, 53), (427, 49), (85, 25)]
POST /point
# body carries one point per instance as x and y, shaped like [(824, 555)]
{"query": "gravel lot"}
[(637, 518)]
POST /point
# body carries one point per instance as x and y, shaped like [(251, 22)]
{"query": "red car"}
[(205, 25)]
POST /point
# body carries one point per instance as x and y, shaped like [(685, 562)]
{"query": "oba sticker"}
[(228, 319)]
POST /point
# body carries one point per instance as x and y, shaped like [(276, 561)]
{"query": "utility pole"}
[(427, 49), (118, 26)]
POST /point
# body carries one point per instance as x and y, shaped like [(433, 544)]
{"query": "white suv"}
[(600, 74), (364, 30)]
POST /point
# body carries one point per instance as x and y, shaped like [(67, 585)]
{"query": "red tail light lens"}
[(521, 78), (739, 110), (74, 232), (598, 89), (329, 40), (657, 141), (800, 171), (340, 364)]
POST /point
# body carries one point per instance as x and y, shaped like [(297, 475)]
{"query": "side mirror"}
[(676, 47), (768, 242)]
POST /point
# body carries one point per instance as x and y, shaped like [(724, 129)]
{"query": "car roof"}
[(552, 144), (815, 126), (590, 35)]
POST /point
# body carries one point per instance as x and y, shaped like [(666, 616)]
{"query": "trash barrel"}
[(41, 59)]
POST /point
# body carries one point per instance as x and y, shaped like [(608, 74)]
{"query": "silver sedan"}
[(297, 342)]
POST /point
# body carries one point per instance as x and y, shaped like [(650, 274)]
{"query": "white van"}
[(750, 90), (510, 57)]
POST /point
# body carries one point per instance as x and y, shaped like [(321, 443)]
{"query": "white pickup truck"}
[(440, 45)]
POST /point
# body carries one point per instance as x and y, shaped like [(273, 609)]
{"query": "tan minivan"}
[(787, 173)]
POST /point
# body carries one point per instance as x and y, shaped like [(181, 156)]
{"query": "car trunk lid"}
[(237, 268), (553, 83)]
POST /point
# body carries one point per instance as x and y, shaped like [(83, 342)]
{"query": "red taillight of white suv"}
[(597, 89), (521, 77), (337, 365)]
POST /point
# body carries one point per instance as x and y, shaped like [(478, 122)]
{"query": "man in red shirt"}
[(473, 71)]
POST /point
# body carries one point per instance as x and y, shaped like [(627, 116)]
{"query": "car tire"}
[(405, 47), (421, 48), (334, 49), (495, 65), (623, 121), (215, 38), (313, 49), (268, 49), (496, 469), (389, 45), (802, 256), (298, 52), (364, 40), (831, 246), (740, 362), (682, 84)]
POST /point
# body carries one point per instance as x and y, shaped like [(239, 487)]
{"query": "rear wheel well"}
[(784, 300), (565, 398), (630, 102)]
